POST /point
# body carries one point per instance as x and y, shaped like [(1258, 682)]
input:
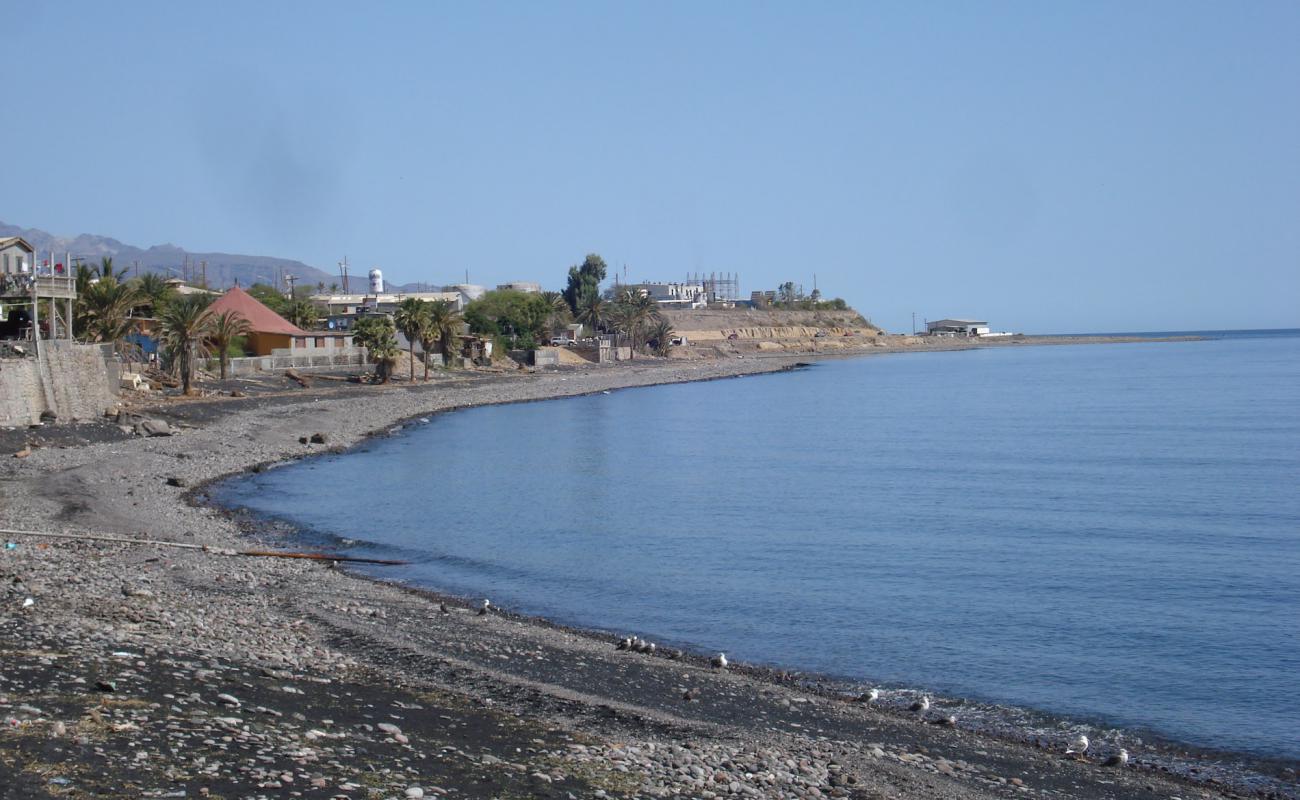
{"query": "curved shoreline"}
[(266, 612), (988, 717)]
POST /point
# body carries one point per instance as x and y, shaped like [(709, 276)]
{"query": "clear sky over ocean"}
[(1046, 166)]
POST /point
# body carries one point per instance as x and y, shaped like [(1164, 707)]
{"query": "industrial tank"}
[(376, 281)]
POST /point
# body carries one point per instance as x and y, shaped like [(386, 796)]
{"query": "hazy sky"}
[(1057, 166)]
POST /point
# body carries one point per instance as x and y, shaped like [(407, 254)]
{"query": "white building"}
[(957, 327), (527, 287)]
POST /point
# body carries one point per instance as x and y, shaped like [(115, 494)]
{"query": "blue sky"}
[(1046, 166)]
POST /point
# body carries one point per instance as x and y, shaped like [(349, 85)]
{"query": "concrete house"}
[(17, 257)]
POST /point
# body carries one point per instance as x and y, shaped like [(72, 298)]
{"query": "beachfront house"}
[(269, 332), (957, 327), (17, 257)]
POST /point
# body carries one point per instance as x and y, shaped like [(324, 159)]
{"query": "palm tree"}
[(334, 288), (375, 333), (560, 313), (411, 319), (105, 310), (185, 326), (444, 322), (661, 337), (637, 311), (594, 313), (106, 270), (225, 327), (302, 313), (154, 290)]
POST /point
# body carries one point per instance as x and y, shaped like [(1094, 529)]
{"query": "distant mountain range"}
[(223, 269)]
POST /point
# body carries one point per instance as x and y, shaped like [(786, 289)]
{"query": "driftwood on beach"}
[(220, 551)]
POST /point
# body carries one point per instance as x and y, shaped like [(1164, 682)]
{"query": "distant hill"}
[(223, 269)]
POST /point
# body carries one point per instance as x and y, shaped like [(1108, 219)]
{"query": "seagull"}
[(28, 603), (949, 721), (869, 696), (1078, 747), (442, 607), (625, 643), (719, 661), (482, 612), (650, 648), (1120, 759), (921, 706)]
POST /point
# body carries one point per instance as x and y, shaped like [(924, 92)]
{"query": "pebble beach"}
[(156, 671)]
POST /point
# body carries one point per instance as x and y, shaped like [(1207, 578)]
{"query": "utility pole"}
[(204, 265), (913, 322), (290, 280)]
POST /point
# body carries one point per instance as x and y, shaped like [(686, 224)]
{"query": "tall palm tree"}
[(560, 313), (444, 322), (154, 291), (185, 326), (105, 310), (411, 319), (594, 313), (106, 270), (637, 311), (225, 327)]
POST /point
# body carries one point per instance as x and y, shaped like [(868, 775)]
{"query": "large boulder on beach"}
[(156, 427)]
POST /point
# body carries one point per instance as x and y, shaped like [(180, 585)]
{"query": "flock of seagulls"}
[(637, 645), (1078, 747)]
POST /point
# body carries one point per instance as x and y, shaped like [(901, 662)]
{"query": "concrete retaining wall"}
[(75, 381)]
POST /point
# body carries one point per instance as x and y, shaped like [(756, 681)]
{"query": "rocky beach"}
[(157, 671)]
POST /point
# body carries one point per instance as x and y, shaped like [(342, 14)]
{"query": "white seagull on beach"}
[(921, 706), (482, 612), (1120, 759), (869, 696), (719, 661), (1078, 747)]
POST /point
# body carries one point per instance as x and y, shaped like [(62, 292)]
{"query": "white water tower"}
[(376, 281)]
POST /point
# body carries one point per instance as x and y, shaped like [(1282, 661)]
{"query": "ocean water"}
[(1109, 533)]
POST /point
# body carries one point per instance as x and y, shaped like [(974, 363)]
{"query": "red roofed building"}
[(268, 331)]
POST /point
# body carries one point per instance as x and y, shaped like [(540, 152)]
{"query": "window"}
[(320, 341)]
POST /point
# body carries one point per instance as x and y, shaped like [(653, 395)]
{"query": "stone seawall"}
[(75, 381)]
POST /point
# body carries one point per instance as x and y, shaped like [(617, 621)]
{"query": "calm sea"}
[(1104, 532)]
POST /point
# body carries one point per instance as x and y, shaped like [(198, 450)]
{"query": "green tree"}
[(561, 315), (376, 333), (269, 297), (106, 270), (444, 324), (634, 314), (226, 327), (302, 313), (154, 291), (661, 337), (594, 313), (103, 310), (518, 317), (584, 282), (185, 326), (411, 319)]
